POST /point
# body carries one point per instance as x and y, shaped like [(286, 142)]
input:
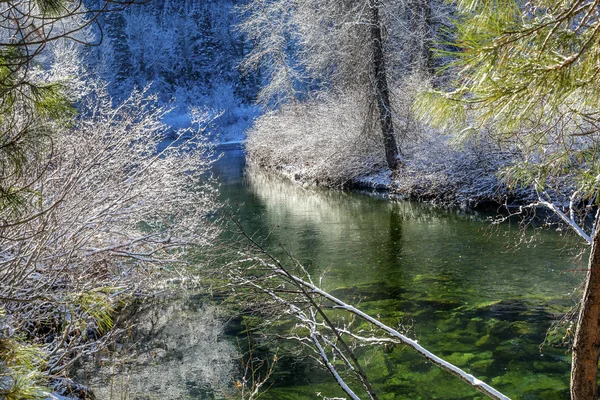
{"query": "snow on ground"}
[(381, 180)]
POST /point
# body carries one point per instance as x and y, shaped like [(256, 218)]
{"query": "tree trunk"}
[(586, 348), (381, 89)]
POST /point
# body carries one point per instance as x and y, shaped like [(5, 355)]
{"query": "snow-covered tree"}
[(178, 46), (305, 49)]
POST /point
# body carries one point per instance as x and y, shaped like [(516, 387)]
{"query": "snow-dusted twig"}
[(470, 379)]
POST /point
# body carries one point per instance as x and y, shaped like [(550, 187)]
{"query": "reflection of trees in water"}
[(395, 241), (285, 199), (329, 213), (349, 231), (361, 239), (175, 351), (229, 167)]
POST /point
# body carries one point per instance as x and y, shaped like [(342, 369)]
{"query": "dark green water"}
[(469, 292)]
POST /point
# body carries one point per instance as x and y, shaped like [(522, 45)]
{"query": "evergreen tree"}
[(124, 69), (268, 25), (205, 50), (530, 72)]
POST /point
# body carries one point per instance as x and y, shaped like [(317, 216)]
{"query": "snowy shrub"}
[(107, 214), (444, 172), (327, 142), (322, 142)]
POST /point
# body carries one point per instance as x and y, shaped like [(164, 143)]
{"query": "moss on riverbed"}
[(496, 340)]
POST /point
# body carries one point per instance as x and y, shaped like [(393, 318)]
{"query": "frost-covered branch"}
[(470, 379), (340, 381), (565, 218), (254, 272)]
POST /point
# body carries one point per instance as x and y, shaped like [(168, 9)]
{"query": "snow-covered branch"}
[(308, 303), (565, 218), (470, 379)]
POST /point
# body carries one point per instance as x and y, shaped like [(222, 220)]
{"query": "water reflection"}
[(175, 351), (362, 239)]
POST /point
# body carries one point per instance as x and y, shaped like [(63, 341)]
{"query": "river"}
[(481, 296)]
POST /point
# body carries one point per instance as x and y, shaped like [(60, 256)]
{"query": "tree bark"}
[(381, 89), (586, 347)]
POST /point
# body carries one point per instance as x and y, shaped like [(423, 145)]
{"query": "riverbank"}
[(326, 144), (472, 192), (480, 189)]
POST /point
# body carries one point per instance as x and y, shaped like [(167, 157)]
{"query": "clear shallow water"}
[(463, 288)]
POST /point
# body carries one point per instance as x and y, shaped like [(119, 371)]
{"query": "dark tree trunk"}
[(381, 89), (586, 348)]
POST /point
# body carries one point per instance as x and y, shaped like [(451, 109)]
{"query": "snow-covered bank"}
[(231, 145), (462, 195), (325, 144), (229, 121), (479, 191)]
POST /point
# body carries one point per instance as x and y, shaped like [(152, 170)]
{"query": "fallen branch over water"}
[(453, 369), (266, 276)]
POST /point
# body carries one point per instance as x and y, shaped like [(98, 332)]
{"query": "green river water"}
[(470, 292)]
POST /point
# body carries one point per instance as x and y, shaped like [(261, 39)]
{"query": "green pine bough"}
[(528, 75)]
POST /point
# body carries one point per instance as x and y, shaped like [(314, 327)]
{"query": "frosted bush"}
[(448, 173), (108, 213), (323, 142)]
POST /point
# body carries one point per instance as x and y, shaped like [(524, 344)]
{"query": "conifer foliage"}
[(529, 72)]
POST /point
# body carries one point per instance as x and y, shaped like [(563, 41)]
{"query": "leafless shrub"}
[(319, 142), (465, 174), (111, 211)]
